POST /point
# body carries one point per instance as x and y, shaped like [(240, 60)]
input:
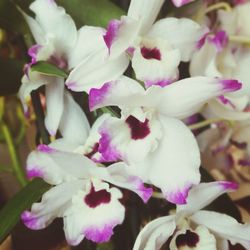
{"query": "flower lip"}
[(139, 130), (149, 53), (95, 198), (230, 85), (189, 239)]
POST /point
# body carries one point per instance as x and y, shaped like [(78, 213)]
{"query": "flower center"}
[(139, 130), (149, 53), (60, 62), (96, 198), (189, 239)]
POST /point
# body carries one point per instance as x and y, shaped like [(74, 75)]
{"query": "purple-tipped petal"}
[(45, 149), (30, 220), (112, 32), (96, 96), (228, 185), (230, 85), (33, 172)]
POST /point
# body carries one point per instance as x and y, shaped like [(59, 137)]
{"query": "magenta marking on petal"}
[(240, 145), (97, 96), (71, 85), (228, 185), (202, 41), (30, 220), (33, 51), (108, 151), (102, 234), (144, 192), (34, 172), (244, 162), (161, 83), (230, 85), (179, 3), (45, 149), (239, 2), (189, 239), (96, 198), (130, 51), (226, 101), (179, 196), (112, 32), (138, 130), (220, 40), (149, 53)]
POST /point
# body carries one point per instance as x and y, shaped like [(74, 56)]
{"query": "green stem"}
[(22, 130), (17, 168)]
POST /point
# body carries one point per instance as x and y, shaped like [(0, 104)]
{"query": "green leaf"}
[(11, 74), (10, 214), (92, 12), (48, 69)]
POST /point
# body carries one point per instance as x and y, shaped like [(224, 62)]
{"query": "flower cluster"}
[(149, 142)]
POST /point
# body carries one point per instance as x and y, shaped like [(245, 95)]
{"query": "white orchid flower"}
[(60, 43), (156, 49), (193, 228), (80, 192), (150, 136), (218, 58)]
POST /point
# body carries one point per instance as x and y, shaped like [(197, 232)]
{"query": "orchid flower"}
[(150, 137), (225, 149), (59, 43), (193, 228), (155, 49), (217, 58), (80, 192)]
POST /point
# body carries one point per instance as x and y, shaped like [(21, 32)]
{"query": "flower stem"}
[(240, 39), (17, 168), (205, 123), (221, 5)]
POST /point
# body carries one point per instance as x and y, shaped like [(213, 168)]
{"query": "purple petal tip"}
[(45, 149), (228, 185), (230, 85)]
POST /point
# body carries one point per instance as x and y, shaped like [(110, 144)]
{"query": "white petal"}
[(56, 166), (182, 34), (179, 3), (177, 153), (186, 97), (128, 139), (30, 83), (53, 204), (198, 239), (155, 61), (90, 39), (224, 226), (223, 111), (35, 28), (120, 35), (203, 194), (146, 11), (123, 93), (90, 215), (91, 145), (96, 70), (56, 22), (54, 105), (204, 61), (119, 175), (155, 233), (74, 125)]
